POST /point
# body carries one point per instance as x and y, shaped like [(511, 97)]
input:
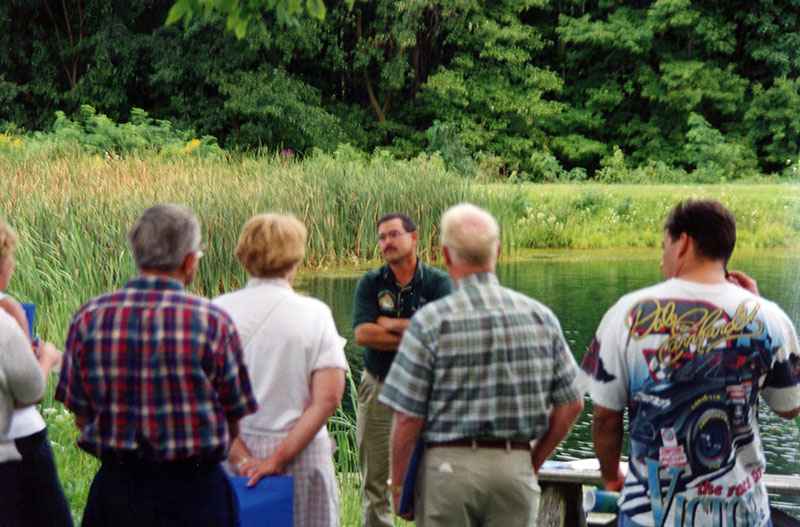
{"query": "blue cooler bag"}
[(269, 503)]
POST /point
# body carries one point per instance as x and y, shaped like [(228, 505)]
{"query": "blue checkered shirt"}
[(483, 362)]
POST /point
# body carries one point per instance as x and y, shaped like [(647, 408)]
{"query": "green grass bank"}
[(72, 211)]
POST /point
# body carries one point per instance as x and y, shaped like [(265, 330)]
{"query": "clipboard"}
[(269, 502), (407, 498)]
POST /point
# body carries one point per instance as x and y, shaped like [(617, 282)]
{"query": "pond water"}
[(579, 286)]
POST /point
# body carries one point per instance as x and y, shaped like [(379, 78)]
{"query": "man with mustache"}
[(385, 299)]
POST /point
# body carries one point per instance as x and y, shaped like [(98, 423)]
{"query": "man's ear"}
[(685, 243), (188, 268), (448, 260)]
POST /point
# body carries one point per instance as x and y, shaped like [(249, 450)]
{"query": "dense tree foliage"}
[(241, 17), (544, 89)]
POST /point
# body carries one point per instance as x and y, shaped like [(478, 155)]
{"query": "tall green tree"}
[(635, 72), (489, 84), (242, 17), (539, 86), (59, 54)]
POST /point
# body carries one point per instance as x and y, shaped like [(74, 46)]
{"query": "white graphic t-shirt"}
[(689, 361)]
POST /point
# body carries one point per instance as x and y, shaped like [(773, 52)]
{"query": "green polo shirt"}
[(378, 293)]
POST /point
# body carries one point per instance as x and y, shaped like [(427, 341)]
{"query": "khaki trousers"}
[(480, 487), (373, 432)]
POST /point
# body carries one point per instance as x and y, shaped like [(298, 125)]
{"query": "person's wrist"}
[(47, 361), (241, 463), (394, 489)]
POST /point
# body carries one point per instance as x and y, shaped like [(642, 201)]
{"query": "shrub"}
[(715, 159), (445, 139), (544, 166), (96, 133), (614, 169)]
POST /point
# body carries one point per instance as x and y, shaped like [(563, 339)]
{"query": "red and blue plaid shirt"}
[(155, 370)]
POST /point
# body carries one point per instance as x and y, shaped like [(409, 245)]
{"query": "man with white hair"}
[(479, 375), (156, 379)]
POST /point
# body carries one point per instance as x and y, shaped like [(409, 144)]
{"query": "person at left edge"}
[(28, 482), (28, 475), (156, 379)]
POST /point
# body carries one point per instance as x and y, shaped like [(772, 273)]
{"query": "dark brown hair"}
[(408, 223), (708, 223)]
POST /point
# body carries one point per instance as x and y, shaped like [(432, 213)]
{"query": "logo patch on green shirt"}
[(386, 301)]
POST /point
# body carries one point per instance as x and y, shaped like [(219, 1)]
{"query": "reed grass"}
[(72, 211), (593, 216)]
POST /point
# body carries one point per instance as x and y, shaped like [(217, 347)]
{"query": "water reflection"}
[(580, 286)]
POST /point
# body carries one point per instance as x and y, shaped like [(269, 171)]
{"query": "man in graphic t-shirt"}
[(689, 358)]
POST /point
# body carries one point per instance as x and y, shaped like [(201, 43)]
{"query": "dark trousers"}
[(30, 493), (131, 492)]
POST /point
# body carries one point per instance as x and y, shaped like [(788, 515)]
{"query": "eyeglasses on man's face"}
[(391, 235)]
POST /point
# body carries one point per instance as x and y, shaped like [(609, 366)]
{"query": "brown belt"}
[(483, 443)]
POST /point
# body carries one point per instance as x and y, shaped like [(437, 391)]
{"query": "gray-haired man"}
[(479, 375), (156, 379)]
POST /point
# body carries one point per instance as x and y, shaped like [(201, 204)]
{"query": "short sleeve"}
[(330, 346), (605, 361), (410, 377), (232, 381), (563, 390), (782, 386), (70, 389), (365, 305)]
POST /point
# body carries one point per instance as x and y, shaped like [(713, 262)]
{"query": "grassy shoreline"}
[(72, 214)]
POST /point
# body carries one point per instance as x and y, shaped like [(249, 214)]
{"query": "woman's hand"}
[(255, 469), (47, 354), (327, 387)]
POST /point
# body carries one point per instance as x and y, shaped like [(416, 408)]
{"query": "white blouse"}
[(286, 337)]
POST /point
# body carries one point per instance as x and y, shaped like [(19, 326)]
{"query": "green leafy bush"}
[(445, 139), (614, 169), (98, 134), (543, 166), (715, 159), (773, 122)]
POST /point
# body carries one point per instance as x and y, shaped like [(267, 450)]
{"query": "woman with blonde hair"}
[(30, 493), (295, 358)]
